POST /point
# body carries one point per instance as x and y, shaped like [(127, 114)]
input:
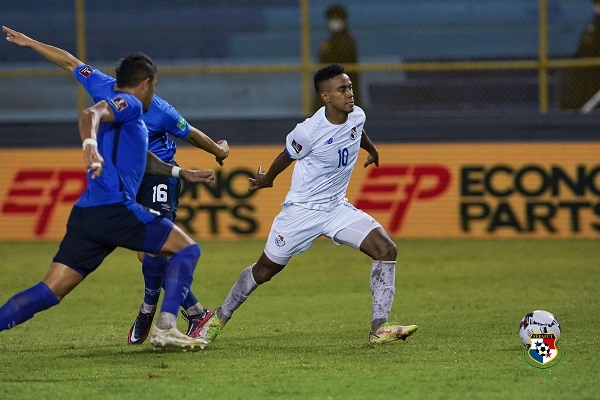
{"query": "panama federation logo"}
[(279, 241), (353, 133), (542, 351)]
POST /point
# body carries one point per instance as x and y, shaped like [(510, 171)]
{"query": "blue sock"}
[(23, 305), (153, 269), (179, 277)]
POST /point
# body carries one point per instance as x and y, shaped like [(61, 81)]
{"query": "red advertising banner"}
[(419, 190)]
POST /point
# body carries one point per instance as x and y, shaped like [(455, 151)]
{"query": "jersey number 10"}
[(342, 157)]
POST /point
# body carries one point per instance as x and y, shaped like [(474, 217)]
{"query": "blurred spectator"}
[(578, 85), (339, 48)]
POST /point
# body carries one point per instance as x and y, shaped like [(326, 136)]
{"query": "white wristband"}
[(175, 172), (89, 141)]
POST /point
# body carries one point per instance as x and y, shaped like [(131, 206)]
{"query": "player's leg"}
[(153, 270), (249, 279), (159, 194), (287, 237), (21, 307), (367, 235), (183, 255), (83, 255)]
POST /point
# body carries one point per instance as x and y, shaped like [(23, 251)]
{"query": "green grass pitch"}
[(304, 335)]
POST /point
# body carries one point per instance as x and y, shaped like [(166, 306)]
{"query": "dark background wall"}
[(473, 128)]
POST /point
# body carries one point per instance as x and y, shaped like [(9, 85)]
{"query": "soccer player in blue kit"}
[(156, 192), (106, 216)]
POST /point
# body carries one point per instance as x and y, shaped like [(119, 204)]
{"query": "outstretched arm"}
[(89, 122), (200, 140), (263, 180), (373, 157), (155, 166), (60, 57)]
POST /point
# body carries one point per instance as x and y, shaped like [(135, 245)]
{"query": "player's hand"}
[(372, 159), (197, 175), (225, 148), (16, 37), (93, 160), (259, 181)]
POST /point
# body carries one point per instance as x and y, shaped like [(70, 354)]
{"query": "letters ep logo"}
[(37, 192), (395, 187)]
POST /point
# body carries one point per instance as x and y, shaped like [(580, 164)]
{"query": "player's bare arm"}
[(365, 143), (89, 122), (265, 180), (199, 139), (155, 166), (60, 57)]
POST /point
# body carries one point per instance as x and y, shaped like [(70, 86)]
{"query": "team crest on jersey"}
[(86, 71), (181, 123), (279, 241), (119, 103), (353, 133), (297, 146), (329, 141)]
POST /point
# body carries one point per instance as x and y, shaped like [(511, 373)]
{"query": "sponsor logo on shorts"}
[(86, 71), (119, 103), (279, 241), (297, 147)]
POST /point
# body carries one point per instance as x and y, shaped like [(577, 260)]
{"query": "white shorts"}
[(296, 228)]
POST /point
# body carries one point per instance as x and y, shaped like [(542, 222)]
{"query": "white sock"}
[(383, 277), (147, 308), (166, 320), (196, 309), (240, 291)]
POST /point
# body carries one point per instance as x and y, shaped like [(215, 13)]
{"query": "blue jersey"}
[(162, 119), (123, 144)]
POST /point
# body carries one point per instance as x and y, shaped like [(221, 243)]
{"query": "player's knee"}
[(263, 273), (386, 251)]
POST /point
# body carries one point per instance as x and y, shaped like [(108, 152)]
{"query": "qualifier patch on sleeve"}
[(181, 123), (297, 147), (119, 103), (86, 71)]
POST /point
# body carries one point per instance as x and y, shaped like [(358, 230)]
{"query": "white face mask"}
[(336, 25)]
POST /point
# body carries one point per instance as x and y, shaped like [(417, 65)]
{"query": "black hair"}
[(336, 11), (133, 69), (326, 73)]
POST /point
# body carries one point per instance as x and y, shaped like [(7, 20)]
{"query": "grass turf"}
[(304, 335)]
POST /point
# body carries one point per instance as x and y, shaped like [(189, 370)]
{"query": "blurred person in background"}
[(339, 48), (578, 85)]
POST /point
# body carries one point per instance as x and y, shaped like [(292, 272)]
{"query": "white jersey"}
[(326, 155)]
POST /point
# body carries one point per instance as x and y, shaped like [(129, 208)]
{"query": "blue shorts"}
[(94, 232), (160, 193)]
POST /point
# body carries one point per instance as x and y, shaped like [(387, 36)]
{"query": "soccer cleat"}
[(195, 322), (390, 331), (173, 339), (212, 328), (141, 328)]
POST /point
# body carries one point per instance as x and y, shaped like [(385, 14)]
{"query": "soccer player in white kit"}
[(325, 148)]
